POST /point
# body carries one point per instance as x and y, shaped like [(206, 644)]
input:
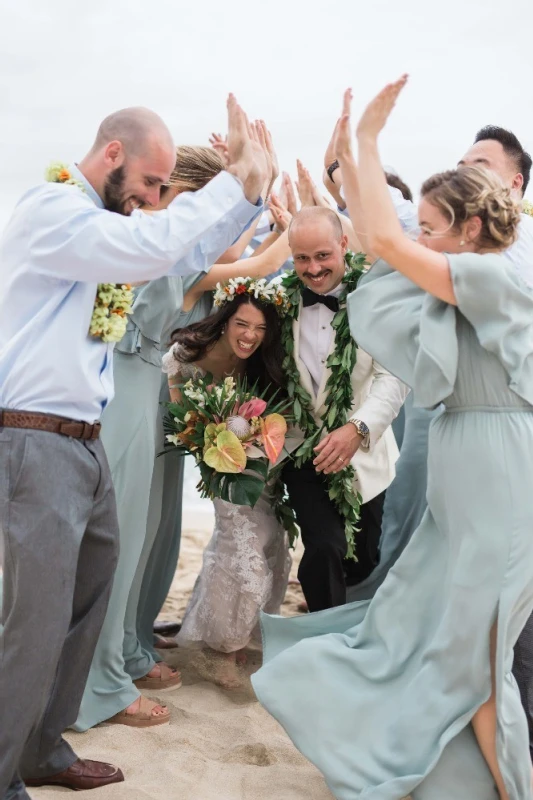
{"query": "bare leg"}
[(484, 723)]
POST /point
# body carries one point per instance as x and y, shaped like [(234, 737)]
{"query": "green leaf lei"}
[(339, 391)]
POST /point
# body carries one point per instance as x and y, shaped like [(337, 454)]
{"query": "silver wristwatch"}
[(362, 429)]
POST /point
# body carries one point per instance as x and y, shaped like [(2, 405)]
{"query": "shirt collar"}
[(90, 190), (336, 291)]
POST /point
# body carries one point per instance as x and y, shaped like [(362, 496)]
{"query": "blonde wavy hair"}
[(467, 192), (195, 167)]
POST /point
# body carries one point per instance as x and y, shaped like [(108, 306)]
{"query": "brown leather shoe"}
[(83, 774)]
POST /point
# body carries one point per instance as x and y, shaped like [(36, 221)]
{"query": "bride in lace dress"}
[(246, 563)]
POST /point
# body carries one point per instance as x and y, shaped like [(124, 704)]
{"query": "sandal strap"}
[(166, 671), (146, 707)]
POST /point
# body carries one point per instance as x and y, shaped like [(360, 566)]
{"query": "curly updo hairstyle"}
[(467, 192), (263, 366)]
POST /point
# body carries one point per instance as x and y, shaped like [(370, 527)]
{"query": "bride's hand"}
[(342, 137), (378, 110)]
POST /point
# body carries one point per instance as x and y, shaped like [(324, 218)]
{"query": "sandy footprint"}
[(257, 755)]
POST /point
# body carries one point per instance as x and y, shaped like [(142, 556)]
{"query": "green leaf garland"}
[(339, 398)]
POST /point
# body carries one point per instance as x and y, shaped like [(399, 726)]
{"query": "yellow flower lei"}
[(527, 208), (114, 301)]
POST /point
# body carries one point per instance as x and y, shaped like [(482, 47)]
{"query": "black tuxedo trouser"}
[(324, 570)]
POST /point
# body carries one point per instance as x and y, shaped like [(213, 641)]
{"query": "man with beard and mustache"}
[(366, 441), (57, 506)]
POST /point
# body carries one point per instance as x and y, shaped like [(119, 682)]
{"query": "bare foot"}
[(221, 668), (157, 710)]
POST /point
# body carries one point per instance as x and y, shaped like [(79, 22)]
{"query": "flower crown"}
[(266, 291), (527, 208)]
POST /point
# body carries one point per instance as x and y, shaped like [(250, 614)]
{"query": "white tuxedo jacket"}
[(377, 399)]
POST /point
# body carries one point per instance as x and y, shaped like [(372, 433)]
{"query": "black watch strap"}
[(331, 169)]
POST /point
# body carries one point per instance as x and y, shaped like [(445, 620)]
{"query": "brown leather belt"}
[(50, 423)]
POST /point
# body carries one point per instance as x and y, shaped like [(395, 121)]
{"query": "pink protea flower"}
[(252, 408)]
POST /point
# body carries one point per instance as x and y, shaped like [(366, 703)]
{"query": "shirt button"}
[(322, 360), (323, 327)]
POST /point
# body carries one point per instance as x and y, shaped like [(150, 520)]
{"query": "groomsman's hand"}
[(337, 449), (246, 158)]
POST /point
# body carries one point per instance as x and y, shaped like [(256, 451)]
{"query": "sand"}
[(219, 745)]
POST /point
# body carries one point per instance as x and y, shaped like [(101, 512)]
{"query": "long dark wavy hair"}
[(263, 366)]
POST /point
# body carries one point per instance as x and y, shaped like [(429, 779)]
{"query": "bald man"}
[(366, 441), (57, 507)]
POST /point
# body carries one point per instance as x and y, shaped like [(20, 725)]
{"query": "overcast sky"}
[(64, 65)]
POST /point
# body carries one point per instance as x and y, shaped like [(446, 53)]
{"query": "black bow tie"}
[(310, 298)]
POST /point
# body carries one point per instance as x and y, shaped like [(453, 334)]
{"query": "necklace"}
[(114, 301), (339, 397)]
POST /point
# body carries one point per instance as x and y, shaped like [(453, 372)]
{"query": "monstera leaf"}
[(273, 430), (226, 454)]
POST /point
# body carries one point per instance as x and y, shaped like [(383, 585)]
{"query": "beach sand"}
[(219, 745)]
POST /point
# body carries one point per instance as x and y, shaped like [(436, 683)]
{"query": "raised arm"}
[(75, 240), (254, 267), (428, 269)]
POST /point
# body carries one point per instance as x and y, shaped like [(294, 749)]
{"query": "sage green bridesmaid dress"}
[(380, 694)]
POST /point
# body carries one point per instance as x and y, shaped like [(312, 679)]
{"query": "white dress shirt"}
[(316, 334), (58, 245)]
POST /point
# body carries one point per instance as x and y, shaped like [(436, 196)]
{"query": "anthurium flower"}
[(227, 455), (252, 408), (211, 432), (273, 430)]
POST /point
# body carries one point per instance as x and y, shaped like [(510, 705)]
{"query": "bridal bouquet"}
[(235, 436)]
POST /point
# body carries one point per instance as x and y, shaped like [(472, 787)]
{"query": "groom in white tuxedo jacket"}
[(366, 441)]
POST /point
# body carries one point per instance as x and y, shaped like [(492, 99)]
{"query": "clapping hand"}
[(246, 158), (378, 110)]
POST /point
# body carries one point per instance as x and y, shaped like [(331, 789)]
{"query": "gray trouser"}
[(60, 535)]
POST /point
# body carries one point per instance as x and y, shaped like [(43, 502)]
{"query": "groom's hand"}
[(337, 449)]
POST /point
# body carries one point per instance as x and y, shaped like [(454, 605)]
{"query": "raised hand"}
[(305, 185), (220, 144), (342, 143), (288, 195), (378, 110), (246, 158), (282, 217)]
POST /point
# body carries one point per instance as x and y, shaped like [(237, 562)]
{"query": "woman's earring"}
[(462, 243)]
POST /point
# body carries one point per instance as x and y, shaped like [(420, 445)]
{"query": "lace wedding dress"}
[(245, 566)]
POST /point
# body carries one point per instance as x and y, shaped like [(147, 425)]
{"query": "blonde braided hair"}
[(467, 192)]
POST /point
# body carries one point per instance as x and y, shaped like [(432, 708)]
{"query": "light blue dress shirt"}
[(58, 245)]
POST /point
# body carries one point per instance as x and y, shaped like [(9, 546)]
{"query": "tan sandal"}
[(169, 679), (143, 717)]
